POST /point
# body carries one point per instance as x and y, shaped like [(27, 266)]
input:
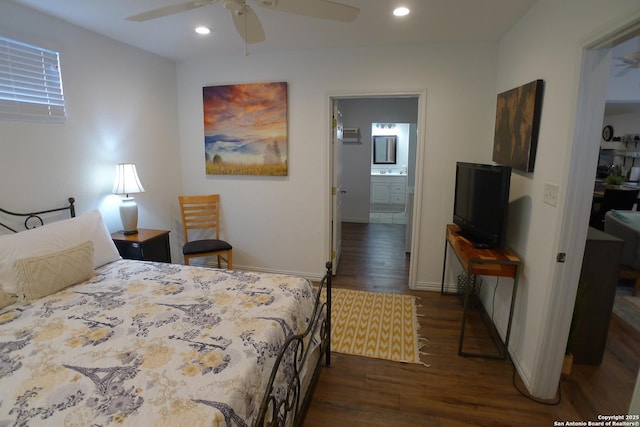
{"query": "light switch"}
[(550, 194)]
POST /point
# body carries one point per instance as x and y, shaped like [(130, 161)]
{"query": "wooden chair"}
[(202, 213)]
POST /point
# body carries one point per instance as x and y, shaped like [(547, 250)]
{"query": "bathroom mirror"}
[(384, 149)]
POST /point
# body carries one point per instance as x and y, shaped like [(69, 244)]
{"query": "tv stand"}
[(481, 262), (481, 245), (476, 243)]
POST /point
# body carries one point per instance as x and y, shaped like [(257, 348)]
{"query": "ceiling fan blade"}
[(170, 10), (622, 73), (246, 21), (323, 9)]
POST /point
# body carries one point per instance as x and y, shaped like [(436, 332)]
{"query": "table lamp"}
[(127, 182)]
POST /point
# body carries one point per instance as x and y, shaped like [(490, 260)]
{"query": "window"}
[(30, 83)]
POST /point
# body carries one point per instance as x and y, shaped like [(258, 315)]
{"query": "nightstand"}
[(146, 245)]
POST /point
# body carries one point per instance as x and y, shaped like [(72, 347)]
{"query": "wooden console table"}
[(481, 262)]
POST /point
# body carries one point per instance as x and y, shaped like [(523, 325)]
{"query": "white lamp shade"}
[(127, 181)]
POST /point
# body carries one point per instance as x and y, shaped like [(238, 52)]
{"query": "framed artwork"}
[(517, 125), (245, 129)]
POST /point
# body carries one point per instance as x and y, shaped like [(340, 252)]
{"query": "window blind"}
[(30, 83)]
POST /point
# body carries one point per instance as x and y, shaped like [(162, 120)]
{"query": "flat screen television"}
[(481, 203)]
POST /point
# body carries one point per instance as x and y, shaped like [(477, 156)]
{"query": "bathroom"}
[(363, 119), (389, 167)]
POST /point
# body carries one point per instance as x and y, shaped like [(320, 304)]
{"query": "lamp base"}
[(129, 215), (127, 233)]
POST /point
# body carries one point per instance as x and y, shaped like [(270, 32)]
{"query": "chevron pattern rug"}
[(377, 325)]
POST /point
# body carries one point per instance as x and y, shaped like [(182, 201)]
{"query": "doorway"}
[(358, 112), (596, 65)]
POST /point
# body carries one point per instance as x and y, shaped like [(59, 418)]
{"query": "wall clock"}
[(607, 133)]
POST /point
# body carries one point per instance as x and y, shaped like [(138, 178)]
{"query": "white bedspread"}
[(148, 344)]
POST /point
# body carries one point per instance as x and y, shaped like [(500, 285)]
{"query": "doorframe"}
[(421, 94), (593, 78)]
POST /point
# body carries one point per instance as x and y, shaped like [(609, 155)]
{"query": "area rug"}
[(377, 325)]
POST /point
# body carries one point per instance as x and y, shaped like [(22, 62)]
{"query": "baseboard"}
[(357, 220), (435, 287), (314, 277), (310, 276)]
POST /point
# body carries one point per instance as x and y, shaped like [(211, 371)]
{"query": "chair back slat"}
[(200, 212)]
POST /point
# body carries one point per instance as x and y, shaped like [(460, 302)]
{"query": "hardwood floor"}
[(453, 390)]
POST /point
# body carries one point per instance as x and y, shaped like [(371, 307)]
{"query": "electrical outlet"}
[(550, 194)]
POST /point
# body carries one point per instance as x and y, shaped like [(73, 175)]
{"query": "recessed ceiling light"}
[(202, 30), (401, 11)]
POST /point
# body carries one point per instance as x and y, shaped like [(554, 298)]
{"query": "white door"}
[(336, 185)]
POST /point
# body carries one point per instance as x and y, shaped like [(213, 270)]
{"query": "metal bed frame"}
[(37, 215), (278, 407)]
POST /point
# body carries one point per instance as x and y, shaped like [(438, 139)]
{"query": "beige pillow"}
[(56, 236), (6, 300), (46, 274)]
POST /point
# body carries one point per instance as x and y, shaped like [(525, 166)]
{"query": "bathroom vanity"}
[(388, 188)]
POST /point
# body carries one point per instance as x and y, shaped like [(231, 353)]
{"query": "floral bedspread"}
[(148, 344)]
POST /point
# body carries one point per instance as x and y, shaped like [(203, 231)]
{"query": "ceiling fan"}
[(246, 21), (629, 62)]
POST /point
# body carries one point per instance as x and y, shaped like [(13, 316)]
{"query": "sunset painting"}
[(245, 129)]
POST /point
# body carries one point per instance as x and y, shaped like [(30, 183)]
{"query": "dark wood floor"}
[(453, 390)]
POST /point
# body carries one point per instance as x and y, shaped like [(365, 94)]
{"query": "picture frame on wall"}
[(245, 129), (517, 126)]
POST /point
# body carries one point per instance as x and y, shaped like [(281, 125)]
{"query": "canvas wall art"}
[(517, 125), (245, 129)]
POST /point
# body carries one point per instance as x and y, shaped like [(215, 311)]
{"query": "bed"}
[(90, 339)]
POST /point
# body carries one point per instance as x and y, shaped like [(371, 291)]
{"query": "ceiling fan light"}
[(401, 11), (202, 30)]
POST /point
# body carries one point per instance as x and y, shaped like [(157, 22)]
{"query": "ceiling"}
[(173, 36)]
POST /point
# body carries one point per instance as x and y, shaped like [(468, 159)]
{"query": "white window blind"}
[(30, 83)]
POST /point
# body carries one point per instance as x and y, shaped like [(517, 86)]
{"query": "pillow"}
[(54, 237), (44, 275), (6, 300)]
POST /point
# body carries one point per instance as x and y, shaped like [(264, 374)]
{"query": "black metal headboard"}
[(36, 215)]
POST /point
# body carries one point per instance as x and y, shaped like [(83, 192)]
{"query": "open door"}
[(336, 185)]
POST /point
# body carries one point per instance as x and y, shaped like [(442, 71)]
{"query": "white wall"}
[(281, 223), (122, 107), (547, 44), (622, 124)]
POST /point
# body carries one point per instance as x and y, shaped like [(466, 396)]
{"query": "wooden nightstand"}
[(147, 245)]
